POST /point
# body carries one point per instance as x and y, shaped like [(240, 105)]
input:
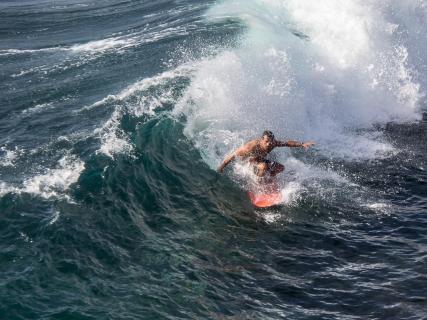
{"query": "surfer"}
[(256, 151)]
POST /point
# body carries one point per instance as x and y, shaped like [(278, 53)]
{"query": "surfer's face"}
[(267, 142)]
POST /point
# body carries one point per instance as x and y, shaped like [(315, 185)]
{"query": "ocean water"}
[(114, 116)]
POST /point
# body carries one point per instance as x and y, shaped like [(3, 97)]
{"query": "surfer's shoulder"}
[(250, 146), (252, 143), (246, 148)]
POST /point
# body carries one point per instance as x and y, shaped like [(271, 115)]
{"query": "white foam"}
[(380, 207), (103, 45), (9, 156), (7, 52), (28, 71), (5, 189), (107, 99), (54, 217), (270, 216), (113, 139), (54, 182), (290, 192), (37, 108)]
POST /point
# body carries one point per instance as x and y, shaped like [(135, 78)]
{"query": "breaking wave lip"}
[(144, 84), (53, 183), (113, 140)]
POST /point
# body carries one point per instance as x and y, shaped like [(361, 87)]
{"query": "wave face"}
[(116, 114)]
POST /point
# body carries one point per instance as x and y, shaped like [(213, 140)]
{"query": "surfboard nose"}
[(265, 200)]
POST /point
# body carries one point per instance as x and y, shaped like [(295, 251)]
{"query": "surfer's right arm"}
[(226, 161), (243, 151)]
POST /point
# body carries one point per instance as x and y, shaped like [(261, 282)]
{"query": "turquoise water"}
[(115, 115)]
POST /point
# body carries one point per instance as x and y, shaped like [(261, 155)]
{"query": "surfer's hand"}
[(308, 144)]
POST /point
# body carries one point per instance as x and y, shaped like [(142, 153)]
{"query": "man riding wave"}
[(256, 151)]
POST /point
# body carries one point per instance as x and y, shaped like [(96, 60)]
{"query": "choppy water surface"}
[(115, 115)]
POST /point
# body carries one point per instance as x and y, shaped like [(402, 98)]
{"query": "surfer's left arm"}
[(295, 144)]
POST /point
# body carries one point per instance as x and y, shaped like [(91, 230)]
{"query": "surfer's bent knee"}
[(260, 169), (276, 168)]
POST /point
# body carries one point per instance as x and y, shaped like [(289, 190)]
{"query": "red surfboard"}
[(265, 200)]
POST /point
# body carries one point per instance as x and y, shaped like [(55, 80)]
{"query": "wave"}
[(328, 71), (144, 98)]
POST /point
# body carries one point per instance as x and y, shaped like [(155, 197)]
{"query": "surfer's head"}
[(267, 138)]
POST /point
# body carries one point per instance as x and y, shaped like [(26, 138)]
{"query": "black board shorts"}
[(271, 165)]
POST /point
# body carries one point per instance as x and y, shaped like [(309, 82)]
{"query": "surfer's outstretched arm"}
[(294, 144)]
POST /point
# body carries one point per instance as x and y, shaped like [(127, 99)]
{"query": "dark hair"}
[(268, 133)]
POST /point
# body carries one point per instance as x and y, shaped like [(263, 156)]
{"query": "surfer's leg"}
[(275, 168), (260, 168)]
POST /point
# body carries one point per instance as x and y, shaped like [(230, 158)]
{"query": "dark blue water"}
[(115, 114)]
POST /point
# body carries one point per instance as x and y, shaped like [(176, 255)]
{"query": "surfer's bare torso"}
[(256, 151), (253, 151)]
